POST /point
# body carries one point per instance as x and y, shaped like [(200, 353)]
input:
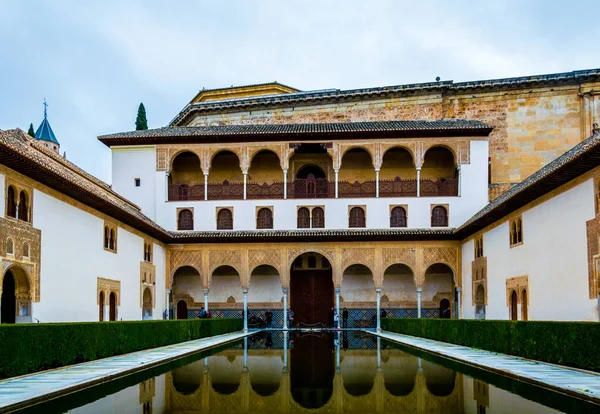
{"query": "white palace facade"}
[(472, 200)]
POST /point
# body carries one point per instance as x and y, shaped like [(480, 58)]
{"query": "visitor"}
[(252, 321), (208, 314), (331, 312), (269, 316), (336, 320), (345, 318), (290, 318), (446, 313), (202, 313), (383, 313), (261, 321)]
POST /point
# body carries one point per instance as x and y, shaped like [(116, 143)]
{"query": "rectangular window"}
[(138, 182)]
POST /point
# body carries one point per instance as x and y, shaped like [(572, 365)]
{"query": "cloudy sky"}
[(96, 60)]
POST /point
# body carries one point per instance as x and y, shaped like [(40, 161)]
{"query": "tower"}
[(45, 134)]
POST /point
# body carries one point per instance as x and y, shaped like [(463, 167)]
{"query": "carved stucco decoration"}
[(410, 146), (147, 281), (406, 256), (360, 256), (231, 258), (179, 258), (269, 257), (329, 254), (370, 147), (108, 286), (479, 277), (593, 256), (445, 255), (517, 284), (278, 149)]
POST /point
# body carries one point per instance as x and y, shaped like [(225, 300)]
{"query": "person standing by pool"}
[(269, 316)]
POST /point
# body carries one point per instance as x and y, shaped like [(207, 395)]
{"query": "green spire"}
[(141, 122), (31, 132)]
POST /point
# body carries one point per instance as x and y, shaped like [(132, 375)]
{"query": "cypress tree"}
[(31, 133), (141, 122)]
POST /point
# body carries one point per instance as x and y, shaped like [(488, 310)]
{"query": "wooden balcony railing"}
[(318, 188)]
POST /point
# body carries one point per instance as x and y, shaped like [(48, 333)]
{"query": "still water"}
[(320, 372)]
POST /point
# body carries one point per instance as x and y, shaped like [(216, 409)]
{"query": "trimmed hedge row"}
[(573, 344), (35, 347)]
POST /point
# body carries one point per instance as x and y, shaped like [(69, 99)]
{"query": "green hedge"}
[(574, 344), (34, 347)]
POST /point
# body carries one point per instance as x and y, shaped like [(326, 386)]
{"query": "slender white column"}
[(168, 303), (458, 303), (16, 210), (378, 291), (418, 181), (285, 350), (337, 307), (245, 292), (246, 353), (285, 183), (245, 182), (376, 183), (206, 300), (459, 180), (107, 313), (419, 290), (336, 181), (205, 186), (285, 308), (167, 185)]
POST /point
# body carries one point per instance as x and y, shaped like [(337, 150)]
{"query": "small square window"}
[(138, 182)]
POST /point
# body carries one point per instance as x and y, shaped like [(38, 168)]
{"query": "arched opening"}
[(264, 295), (265, 171), (226, 291), (357, 174), (225, 373), (311, 291), (186, 379), (439, 173), (11, 202), (224, 219), (311, 182), (264, 219), (106, 237), (25, 250), (524, 305), (439, 217), (186, 181), (399, 373), (514, 315), (112, 240), (356, 218), (398, 217), (358, 374), (9, 299), (187, 286), (439, 285), (147, 304), (480, 302), (398, 175), (312, 169), (185, 220), (265, 373), (101, 303), (400, 289), (440, 381), (15, 306), (10, 246), (358, 290), (23, 206), (225, 181), (318, 218), (303, 218), (112, 306), (312, 370)]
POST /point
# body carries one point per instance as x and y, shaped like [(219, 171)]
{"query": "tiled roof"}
[(28, 157), (239, 133), (337, 95), (45, 133)]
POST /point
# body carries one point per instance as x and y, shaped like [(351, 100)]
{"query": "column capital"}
[(169, 291), (205, 292), (458, 288), (245, 291), (377, 170), (245, 172), (336, 170), (284, 290), (285, 170), (205, 172), (418, 168), (378, 290), (338, 290), (419, 289)]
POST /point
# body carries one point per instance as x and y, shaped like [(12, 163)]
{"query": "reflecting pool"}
[(320, 372)]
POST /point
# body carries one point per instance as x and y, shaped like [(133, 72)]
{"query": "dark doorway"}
[(310, 171), (101, 307), (312, 369), (181, 310), (311, 289), (112, 307), (445, 309), (9, 301), (513, 306)]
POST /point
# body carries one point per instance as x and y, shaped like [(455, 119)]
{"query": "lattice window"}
[(479, 247), (303, 218), (23, 206), (264, 219), (224, 219), (398, 217), (106, 237), (148, 252), (439, 217), (357, 217), (318, 218), (11, 202), (112, 240), (516, 232), (186, 220)]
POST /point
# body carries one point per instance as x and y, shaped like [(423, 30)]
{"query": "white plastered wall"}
[(553, 255)]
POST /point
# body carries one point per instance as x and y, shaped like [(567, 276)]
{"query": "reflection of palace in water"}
[(317, 375)]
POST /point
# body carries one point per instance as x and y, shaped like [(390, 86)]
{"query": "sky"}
[(96, 60)]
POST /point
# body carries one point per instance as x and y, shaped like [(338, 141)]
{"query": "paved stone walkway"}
[(578, 383), (24, 390)]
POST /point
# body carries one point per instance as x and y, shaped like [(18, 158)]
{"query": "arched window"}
[(524, 305), (519, 232), (23, 206), (303, 218), (112, 310), (112, 239), (513, 306), (264, 219), (516, 232), (106, 237), (318, 218), (25, 250), (311, 262), (298, 263), (224, 219), (101, 306), (186, 220), (439, 217), (398, 217), (148, 252), (11, 203), (357, 217), (10, 248)]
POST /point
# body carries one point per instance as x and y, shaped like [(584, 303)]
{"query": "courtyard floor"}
[(571, 381), (29, 389)]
